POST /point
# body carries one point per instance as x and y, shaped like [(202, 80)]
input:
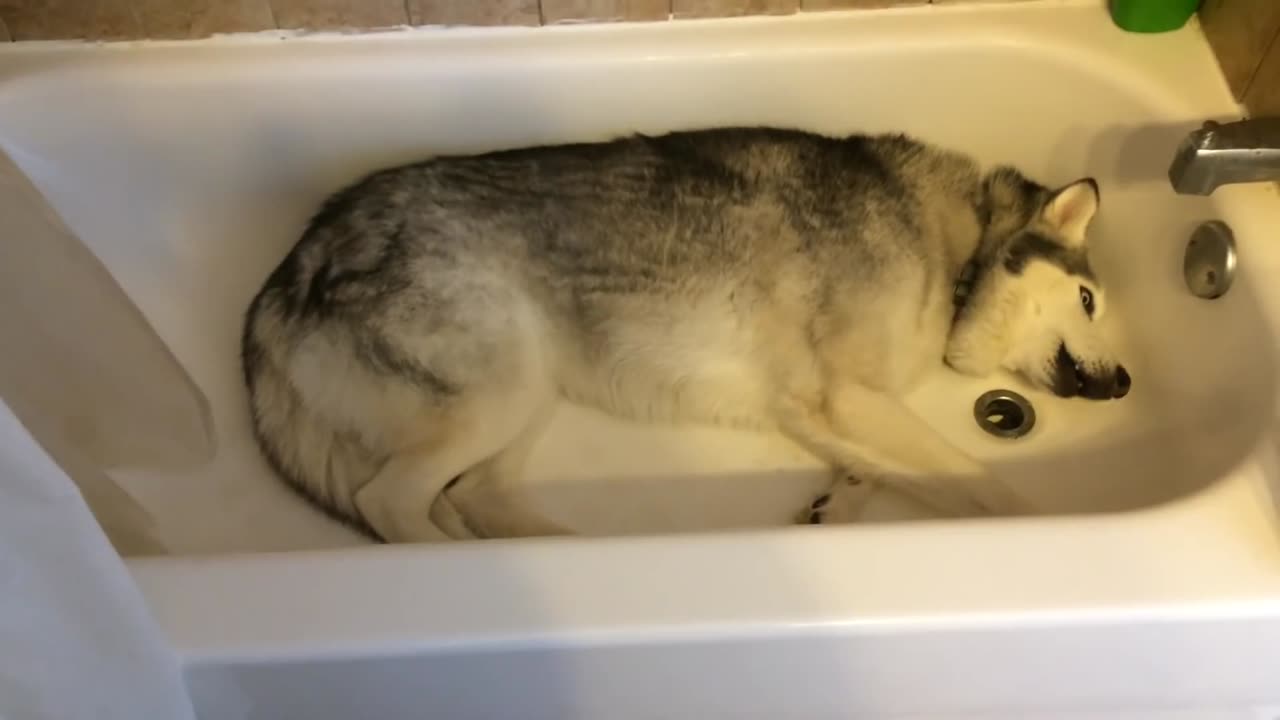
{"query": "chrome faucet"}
[(1226, 153)]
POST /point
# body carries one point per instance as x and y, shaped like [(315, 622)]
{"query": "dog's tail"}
[(303, 447)]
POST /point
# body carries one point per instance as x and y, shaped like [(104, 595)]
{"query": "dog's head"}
[(1034, 302)]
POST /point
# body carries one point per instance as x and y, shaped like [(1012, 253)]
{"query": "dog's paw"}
[(847, 499), (843, 503)]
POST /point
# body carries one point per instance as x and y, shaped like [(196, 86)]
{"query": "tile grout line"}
[(271, 13), (137, 18), (1272, 47)]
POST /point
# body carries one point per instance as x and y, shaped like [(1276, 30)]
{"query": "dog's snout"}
[(1123, 383), (1072, 378)]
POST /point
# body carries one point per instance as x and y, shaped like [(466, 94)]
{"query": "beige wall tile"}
[(70, 19), (728, 8), (473, 12), (58, 20), (554, 11), (338, 14), (645, 9), (25, 19), (1240, 31), (114, 20), (14, 14), (815, 5), (201, 18), (1263, 95)]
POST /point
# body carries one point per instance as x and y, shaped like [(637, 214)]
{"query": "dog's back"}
[(431, 312)]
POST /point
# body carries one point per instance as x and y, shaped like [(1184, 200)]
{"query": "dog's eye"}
[(1086, 299)]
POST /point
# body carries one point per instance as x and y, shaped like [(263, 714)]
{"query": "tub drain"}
[(1209, 264), (1004, 413)]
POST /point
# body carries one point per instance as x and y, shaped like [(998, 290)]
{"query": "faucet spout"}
[(1226, 153)]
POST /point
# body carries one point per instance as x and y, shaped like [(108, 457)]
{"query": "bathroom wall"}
[(129, 19), (1244, 33)]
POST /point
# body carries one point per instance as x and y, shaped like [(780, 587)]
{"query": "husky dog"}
[(432, 314)]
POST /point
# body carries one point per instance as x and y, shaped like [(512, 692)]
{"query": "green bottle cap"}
[(1152, 16)]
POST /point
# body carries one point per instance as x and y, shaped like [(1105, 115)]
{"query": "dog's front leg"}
[(874, 441)]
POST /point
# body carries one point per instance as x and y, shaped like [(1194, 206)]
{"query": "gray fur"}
[(430, 312)]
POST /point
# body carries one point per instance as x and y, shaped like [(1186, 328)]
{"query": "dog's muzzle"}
[(1071, 379)]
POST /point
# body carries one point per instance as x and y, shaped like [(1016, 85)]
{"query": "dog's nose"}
[(1123, 381)]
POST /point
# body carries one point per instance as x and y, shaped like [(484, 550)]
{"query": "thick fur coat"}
[(431, 314)]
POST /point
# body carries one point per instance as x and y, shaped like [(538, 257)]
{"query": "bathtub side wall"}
[(1245, 34)]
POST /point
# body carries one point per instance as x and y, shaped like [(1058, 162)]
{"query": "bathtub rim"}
[(211, 619)]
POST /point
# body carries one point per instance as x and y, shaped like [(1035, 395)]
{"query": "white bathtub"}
[(1150, 586)]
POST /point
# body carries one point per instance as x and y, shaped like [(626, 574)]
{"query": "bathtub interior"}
[(190, 172)]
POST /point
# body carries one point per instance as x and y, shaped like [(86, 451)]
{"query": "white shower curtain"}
[(76, 640), (85, 386)]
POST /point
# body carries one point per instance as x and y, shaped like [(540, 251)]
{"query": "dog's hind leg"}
[(466, 432), (483, 497), (446, 516), (873, 441), (397, 501)]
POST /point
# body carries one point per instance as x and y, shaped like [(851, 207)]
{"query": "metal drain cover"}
[(1209, 264), (1004, 413)]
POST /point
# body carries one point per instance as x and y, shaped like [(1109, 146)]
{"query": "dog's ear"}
[(1070, 209)]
